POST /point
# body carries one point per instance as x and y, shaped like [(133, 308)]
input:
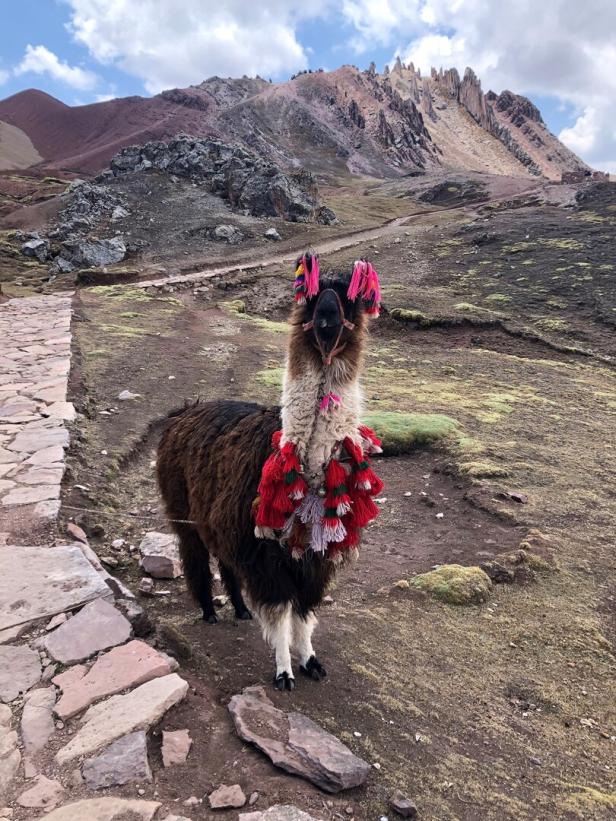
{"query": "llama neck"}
[(313, 432)]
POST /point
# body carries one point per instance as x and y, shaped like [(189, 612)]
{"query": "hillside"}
[(382, 125)]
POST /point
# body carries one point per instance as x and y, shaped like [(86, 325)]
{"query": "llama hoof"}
[(313, 669), (244, 615), (284, 681), (211, 619)]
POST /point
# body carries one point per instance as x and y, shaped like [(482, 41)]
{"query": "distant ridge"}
[(362, 122)]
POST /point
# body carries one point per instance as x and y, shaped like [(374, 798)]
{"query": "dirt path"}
[(339, 243)]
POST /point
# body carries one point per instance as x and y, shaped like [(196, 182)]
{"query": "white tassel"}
[(365, 485), (335, 534), (343, 509), (264, 532)]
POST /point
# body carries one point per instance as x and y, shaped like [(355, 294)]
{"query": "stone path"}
[(34, 366)]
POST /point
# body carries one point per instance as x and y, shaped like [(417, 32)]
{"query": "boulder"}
[(272, 234), (120, 715), (119, 669), (38, 248), (20, 669), (403, 805), (160, 556), (295, 743), (228, 233), (96, 627), (95, 253), (176, 746), (105, 809), (123, 761)]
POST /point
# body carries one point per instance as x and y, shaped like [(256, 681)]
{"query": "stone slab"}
[(176, 746), (160, 556), (123, 761), (20, 669), (123, 667), (96, 627), (295, 743), (37, 725), (105, 809), (38, 582), (279, 812), (119, 715)]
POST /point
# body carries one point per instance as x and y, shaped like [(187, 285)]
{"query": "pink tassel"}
[(357, 280), (330, 400), (365, 283), (311, 274)]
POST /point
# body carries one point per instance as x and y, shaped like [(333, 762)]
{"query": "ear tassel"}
[(365, 283), (306, 278)]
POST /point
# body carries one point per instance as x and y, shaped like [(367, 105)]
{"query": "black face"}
[(328, 311)]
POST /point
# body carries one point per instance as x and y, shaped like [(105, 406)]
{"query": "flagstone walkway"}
[(35, 346)]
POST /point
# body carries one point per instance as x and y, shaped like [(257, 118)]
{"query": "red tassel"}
[(364, 510)]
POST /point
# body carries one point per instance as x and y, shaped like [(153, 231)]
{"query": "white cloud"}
[(40, 60), (181, 43), (555, 48), (4, 76)]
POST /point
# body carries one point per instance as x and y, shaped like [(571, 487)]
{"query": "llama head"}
[(329, 317)]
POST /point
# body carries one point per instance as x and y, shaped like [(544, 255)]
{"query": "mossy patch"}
[(402, 432), (408, 315), (271, 377), (588, 801), (498, 298), (455, 584), (236, 306), (483, 470)]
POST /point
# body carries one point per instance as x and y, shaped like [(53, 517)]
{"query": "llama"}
[(279, 495)]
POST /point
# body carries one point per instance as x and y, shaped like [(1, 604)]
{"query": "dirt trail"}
[(336, 244)]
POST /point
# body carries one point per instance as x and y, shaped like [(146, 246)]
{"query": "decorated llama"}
[(279, 495)]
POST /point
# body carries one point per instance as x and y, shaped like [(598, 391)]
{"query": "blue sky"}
[(561, 56)]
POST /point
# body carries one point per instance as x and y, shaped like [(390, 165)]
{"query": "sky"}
[(559, 53)]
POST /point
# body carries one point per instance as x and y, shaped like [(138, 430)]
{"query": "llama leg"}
[(276, 625), (196, 562), (303, 627), (232, 587)]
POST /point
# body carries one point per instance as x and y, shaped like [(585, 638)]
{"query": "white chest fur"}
[(313, 432)]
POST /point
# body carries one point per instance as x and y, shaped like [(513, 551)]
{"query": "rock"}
[(105, 809), (123, 396), (455, 584), (118, 213), (123, 761), (38, 582), (10, 757), (38, 248), (96, 627), (279, 812), (37, 725), (295, 743), (20, 669), (137, 616), (226, 797), (254, 797), (497, 572), (175, 818), (62, 266), (119, 715), (176, 746), (272, 234), (160, 556), (57, 620), (43, 795), (220, 601), (95, 253), (403, 805), (119, 669), (193, 801), (228, 233), (146, 587)]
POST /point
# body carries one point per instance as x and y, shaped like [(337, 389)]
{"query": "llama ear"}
[(365, 284), (306, 277)]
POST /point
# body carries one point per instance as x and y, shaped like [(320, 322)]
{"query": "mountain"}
[(347, 120)]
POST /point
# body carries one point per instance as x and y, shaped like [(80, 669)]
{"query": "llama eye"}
[(322, 323)]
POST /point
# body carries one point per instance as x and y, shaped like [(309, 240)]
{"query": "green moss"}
[(454, 584), (550, 324), (498, 298), (236, 306), (483, 470), (268, 324), (272, 377), (402, 432), (566, 244), (408, 315), (129, 314)]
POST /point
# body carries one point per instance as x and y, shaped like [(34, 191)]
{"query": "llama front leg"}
[(303, 628), (276, 626)]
